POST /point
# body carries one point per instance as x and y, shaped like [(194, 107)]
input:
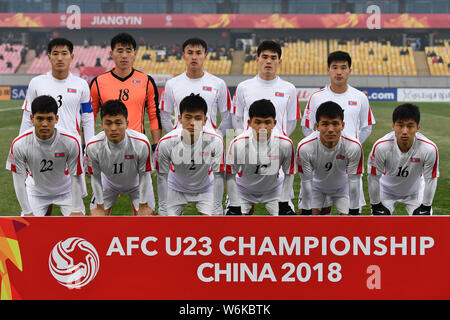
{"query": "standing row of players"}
[(259, 165)]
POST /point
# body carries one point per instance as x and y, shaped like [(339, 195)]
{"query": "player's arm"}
[(87, 115), (224, 106), (430, 174), (153, 111), (95, 98), (145, 180), (288, 167), (375, 168), (26, 120), (305, 169), (167, 105), (16, 163), (293, 112), (96, 182), (75, 170), (21, 193), (237, 114), (309, 117), (355, 168), (77, 199), (366, 120), (234, 207), (218, 166), (162, 160)]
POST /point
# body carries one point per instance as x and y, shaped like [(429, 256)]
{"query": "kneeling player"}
[(330, 164), (190, 163), (254, 160), (119, 160), (53, 159), (403, 166)]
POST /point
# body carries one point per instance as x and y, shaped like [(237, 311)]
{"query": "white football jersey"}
[(50, 162), (211, 88), (401, 172), (120, 164), (71, 94), (357, 112), (281, 93), (329, 167), (257, 165), (190, 166)]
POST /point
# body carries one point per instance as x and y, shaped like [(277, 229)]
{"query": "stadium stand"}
[(368, 58), (82, 57), (438, 58), (10, 57)]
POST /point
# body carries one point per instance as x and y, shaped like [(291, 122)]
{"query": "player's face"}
[(123, 56), (339, 72), (60, 58), (330, 130), (268, 64), (192, 122), (114, 127), (262, 127), (44, 124), (405, 131), (194, 57)]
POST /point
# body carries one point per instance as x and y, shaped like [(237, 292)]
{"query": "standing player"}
[(135, 89), (198, 81), (260, 165), (358, 115), (330, 164), (70, 92), (52, 158), (403, 166), (119, 162), (268, 85), (185, 159)]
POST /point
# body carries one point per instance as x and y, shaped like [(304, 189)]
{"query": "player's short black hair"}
[(193, 102), (329, 109), (123, 39), (339, 56), (44, 104), (59, 42), (113, 108), (195, 42), (262, 108), (406, 111), (269, 45)]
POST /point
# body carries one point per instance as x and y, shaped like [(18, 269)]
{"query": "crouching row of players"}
[(192, 165)]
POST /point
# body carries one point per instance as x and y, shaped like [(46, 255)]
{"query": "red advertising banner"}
[(223, 21), (216, 258)]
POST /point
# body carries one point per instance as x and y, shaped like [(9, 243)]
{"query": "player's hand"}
[(145, 210), (354, 212), (233, 211), (98, 211), (422, 211), (306, 212), (284, 209), (379, 210)]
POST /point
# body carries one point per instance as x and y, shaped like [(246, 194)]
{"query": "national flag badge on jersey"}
[(71, 90), (59, 154), (136, 81), (352, 103), (340, 156), (205, 88), (279, 94), (129, 156), (415, 159)]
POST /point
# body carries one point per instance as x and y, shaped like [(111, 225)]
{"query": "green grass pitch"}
[(435, 117)]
